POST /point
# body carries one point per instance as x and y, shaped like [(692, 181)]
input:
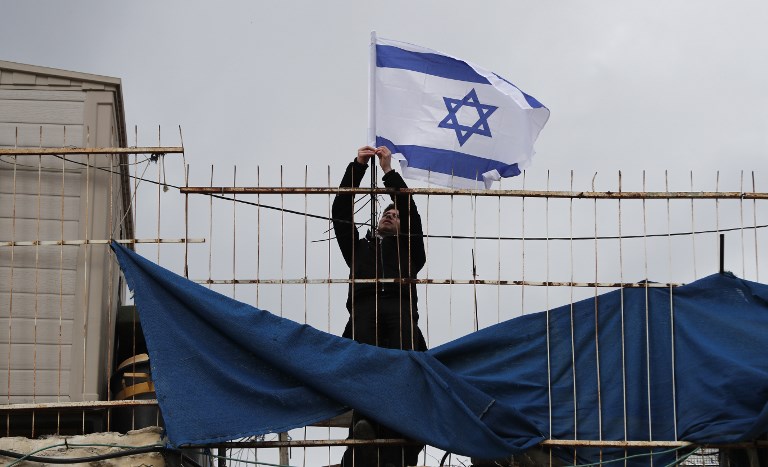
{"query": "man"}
[(381, 313)]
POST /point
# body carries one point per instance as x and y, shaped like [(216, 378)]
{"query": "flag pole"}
[(372, 123)]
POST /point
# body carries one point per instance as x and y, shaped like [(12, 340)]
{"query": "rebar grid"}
[(539, 224)]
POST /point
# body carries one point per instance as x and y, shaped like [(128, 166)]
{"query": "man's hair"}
[(389, 208)]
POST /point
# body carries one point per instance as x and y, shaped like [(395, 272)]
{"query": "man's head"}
[(389, 223)]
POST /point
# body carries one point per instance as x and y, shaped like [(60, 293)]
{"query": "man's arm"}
[(343, 209), (410, 221)]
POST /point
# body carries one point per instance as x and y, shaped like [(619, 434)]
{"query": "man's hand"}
[(364, 154), (385, 158)]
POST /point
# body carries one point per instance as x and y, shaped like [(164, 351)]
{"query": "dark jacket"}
[(400, 256)]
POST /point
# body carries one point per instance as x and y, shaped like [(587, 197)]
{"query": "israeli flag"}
[(449, 122)]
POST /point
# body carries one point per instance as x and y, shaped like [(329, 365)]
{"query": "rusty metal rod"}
[(306, 443), (84, 405), (447, 192), (402, 442), (61, 151), (123, 241), (301, 281)]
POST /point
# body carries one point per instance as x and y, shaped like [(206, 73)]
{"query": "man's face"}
[(389, 224)]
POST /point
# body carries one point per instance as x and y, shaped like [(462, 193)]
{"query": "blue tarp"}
[(224, 370)]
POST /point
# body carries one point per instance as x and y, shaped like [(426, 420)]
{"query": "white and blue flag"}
[(450, 122)]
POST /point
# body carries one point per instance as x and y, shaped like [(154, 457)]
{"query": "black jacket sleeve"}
[(411, 237), (343, 211)]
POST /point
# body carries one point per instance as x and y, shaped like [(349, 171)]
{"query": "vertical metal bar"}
[(741, 220), (284, 457), (87, 250), (306, 174), (134, 323), (328, 290), (473, 200), (136, 173), (410, 290), (10, 285), (498, 258), (210, 233), (110, 272), (573, 337), (671, 308), (234, 235), (158, 196), (647, 317), (717, 224), (722, 253), (183, 156), (754, 223), (522, 249), (282, 241), (597, 327), (37, 278), (546, 290), (374, 177), (426, 272), (186, 221), (328, 231), (623, 346), (61, 284), (258, 233), (450, 286), (693, 229)]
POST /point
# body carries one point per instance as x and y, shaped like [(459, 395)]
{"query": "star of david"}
[(463, 132)]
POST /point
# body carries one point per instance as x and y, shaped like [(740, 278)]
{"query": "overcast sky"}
[(649, 85), (632, 86)]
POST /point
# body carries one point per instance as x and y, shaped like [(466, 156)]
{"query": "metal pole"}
[(722, 253)]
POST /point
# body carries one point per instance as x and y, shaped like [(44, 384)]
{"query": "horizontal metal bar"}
[(302, 281), (646, 444), (449, 192), (62, 151), (308, 443), (402, 442), (102, 242), (84, 405), (614, 444)]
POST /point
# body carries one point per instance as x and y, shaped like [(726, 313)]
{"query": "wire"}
[(645, 454), (127, 451), (456, 237), (249, 462)]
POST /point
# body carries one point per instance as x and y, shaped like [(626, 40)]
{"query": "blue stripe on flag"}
[(388, 56), (449, 162), (530, 99)]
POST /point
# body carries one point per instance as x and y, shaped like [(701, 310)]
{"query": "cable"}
[(127, 451), (456, 237), (244, 461)]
